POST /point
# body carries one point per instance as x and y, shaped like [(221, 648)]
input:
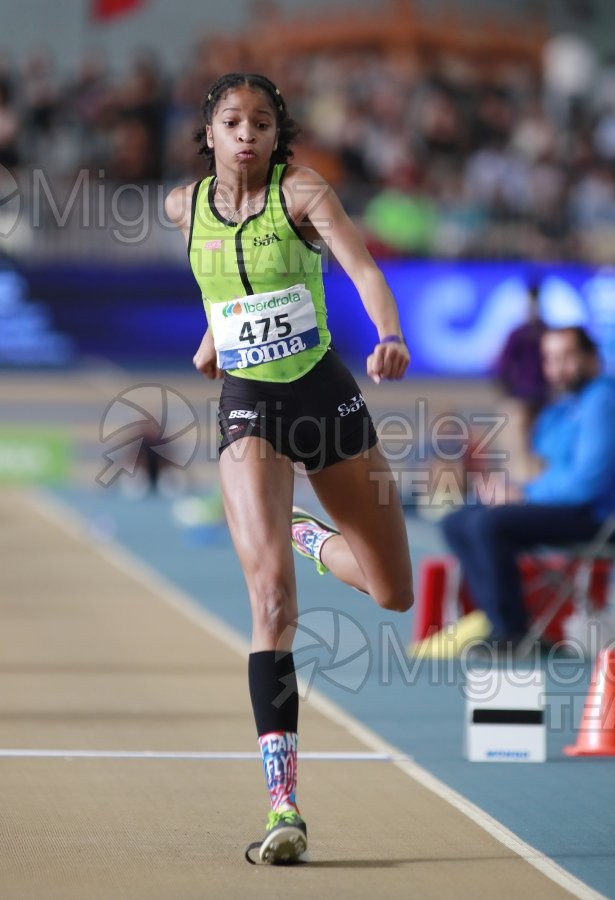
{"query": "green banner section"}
[(34, 455)]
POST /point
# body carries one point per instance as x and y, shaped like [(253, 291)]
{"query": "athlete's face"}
[(243, 132)]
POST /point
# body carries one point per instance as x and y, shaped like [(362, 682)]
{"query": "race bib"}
[(264, 327)]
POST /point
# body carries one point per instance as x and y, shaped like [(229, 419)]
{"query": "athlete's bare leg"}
[(371, 552), (257, 486)]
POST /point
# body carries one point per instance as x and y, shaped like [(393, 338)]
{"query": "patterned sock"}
[(310, 538), (279, 753), (275, 701)]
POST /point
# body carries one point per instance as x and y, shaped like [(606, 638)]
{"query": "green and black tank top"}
[(261, 283)]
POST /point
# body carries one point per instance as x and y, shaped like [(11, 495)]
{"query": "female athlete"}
[(286, 397)]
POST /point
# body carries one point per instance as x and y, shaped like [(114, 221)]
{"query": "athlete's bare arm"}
[(178, 207), (310, 199)]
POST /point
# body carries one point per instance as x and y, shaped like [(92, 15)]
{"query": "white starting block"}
[(505, 715)]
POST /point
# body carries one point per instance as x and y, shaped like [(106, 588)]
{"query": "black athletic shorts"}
[(319, 419)]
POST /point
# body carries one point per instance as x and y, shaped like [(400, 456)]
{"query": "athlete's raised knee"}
[(395, 598)]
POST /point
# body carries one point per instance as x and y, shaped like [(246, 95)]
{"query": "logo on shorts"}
[(353, 405), (242, 414)]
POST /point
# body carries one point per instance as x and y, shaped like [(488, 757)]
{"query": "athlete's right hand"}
[(388, 361), (205, 358)]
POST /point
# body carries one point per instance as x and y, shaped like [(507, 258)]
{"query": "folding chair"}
[(573, 586)]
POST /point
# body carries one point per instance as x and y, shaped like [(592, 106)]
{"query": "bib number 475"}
[(281, 326)]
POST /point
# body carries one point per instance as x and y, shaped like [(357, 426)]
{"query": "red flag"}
[(109, 9)]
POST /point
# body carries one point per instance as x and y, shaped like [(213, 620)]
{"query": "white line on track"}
[(222, 755), (62, 515)]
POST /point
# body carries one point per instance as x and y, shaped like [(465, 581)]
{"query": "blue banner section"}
[(455, 316), (28, 336)]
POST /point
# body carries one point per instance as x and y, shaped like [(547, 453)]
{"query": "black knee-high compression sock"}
[(273, 691)]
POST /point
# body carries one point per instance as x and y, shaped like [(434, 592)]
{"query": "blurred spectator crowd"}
[(437, 159)]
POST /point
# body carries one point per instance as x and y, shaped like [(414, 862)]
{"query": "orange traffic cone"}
[(596, 736)]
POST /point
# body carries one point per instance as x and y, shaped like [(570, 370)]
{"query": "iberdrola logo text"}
[(236, 308)]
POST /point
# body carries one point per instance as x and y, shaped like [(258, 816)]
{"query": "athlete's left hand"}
[(388, 361)]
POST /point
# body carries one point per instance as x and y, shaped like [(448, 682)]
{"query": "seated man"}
[(575, 438)]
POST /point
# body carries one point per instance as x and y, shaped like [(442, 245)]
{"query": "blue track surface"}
[(564, 807)]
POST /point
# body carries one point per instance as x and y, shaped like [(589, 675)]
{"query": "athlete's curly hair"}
[(287, 127)]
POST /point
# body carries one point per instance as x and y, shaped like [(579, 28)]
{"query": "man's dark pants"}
[(487, 540)]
